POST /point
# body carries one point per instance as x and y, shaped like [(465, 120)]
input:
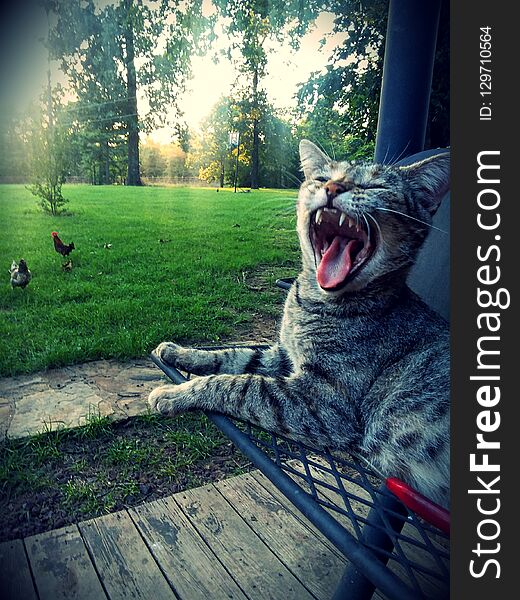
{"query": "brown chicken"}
[(20, 274), (60, 247)]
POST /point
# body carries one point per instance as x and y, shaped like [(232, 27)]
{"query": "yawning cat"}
[(361, 364)]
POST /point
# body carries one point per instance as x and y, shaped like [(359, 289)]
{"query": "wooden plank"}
[(274, 491), (124, 563), (15, 575), (264, 482), (296, 546), (61, 565), (188, 564), (251, 563)]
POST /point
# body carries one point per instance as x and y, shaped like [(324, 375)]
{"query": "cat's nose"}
[(333, 189)]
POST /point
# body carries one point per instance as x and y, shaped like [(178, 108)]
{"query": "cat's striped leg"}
[(265, 361), (302, 407)]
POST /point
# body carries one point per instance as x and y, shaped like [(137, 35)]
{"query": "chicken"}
[(20, 274), (60, 247)]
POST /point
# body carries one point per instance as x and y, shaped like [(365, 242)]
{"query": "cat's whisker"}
[(378, 227), (293, 178), (401, 154), (386, 154), (368, 228), (410, 217), (322, 148)]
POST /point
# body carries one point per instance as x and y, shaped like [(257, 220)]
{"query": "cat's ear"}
[(314, 161), (430, 178)]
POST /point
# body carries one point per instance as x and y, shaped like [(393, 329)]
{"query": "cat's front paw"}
[(169, 353), (169, 400)]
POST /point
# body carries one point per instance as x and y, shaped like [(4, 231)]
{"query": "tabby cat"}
[(361, 362)]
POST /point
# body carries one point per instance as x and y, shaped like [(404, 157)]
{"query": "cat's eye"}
[(321, 179)]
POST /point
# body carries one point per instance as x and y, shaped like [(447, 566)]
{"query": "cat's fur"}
[(363, 365)]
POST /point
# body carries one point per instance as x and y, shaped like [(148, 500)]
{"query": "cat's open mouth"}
[(341, 247)]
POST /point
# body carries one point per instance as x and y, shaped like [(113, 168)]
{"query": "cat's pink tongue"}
[(336, 263)]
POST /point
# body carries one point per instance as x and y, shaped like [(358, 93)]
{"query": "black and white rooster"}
[(20, 274)]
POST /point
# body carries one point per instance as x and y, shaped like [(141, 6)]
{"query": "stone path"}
[(66, 397)]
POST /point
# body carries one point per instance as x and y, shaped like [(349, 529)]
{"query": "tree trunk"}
[(133, 176), (221, 174), (107, 163), (256, 140)]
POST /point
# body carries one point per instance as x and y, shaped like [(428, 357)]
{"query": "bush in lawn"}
[(49, 165)]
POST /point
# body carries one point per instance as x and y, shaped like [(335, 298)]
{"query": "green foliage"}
[(353, 79), (153, 162), (95, 475), (177, 167), (98, 47), (251, 24), (211, 153), (279, 159), (48, 190), (348, 93), (95, 425), (49, 166), (88, 45), (127, 453), (323, 126), (214, 156), (14, 158)]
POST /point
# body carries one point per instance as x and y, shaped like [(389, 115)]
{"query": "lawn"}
[(185, 264)]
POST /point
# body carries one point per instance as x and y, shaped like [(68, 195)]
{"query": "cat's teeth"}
[(325, 246), (350, 222), (342, 219), (319, 212)]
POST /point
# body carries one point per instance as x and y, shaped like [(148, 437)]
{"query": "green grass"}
[(121, 302), (97, 468)]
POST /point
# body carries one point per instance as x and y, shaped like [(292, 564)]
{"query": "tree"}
[(49, 161), (250, 25), (99, 48), (211, 153), (349, 90), (14, 153), (177, 166), (327, 128), (279, 165), (215, 155), (154, 163)]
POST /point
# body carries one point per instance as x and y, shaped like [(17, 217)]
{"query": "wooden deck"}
[(239, 538), (234, 539)]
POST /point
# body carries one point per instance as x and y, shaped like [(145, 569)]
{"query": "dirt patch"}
[(264, 327), (55, 479)]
